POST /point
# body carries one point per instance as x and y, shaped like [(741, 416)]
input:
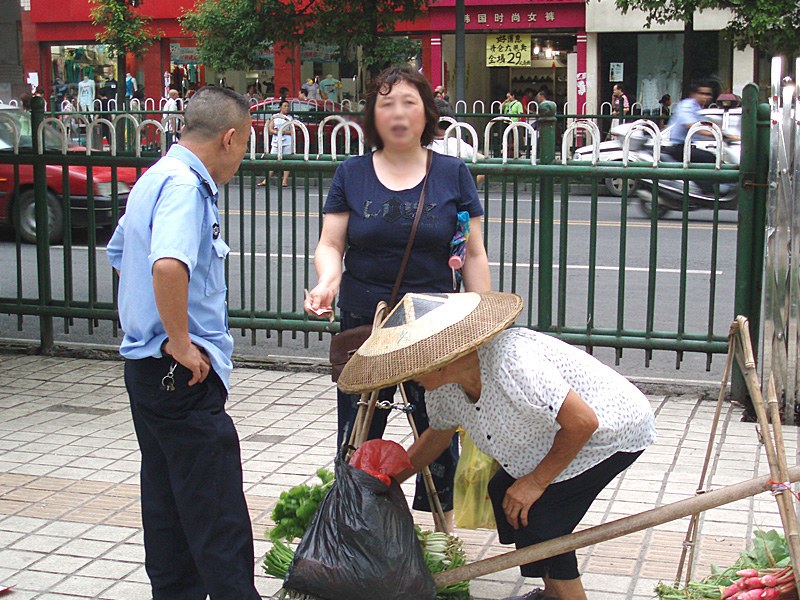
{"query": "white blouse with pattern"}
[(525, 377)]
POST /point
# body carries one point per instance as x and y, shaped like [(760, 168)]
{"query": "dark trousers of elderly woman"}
[(557, 512), (443, 469)]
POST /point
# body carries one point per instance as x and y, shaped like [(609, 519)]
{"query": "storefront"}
[(65, 49), (71, 63), (185, 72), (540, 45), (651, 65), (650, 62)]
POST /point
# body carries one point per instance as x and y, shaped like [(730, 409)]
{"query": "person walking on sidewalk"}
[(170, 255)]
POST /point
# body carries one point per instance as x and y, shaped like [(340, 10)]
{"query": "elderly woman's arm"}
[(578, 422), (427, 449), (476, 263), (328, 261)]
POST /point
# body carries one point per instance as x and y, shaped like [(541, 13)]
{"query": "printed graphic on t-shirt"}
[(393, 210)]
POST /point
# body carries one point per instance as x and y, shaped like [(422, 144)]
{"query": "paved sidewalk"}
[(69, 508)]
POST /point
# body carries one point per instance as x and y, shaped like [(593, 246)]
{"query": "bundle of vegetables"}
[(443, 552), (769, 584), (295, 508), (292, 516), (278, 559), (764, 572)]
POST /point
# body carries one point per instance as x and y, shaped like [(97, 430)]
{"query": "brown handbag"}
[(346, 343)]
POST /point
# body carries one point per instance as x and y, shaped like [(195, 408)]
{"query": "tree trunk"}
[(121, 68), (689, 52), (371, 8)]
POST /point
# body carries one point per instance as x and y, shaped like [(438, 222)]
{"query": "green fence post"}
[(750, 234), (42, 227), (547, 155), (759, 226)]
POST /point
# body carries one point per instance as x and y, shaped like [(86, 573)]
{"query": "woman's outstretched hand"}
[(318, 302)]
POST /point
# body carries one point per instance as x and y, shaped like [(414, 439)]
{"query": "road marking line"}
[(527, 221), (506, 265)]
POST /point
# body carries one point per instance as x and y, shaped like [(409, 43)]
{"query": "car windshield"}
[(22, 120)]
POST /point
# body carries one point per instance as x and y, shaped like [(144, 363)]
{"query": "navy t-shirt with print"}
[(380, 224)]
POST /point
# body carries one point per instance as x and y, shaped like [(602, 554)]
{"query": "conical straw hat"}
[(425, 332)]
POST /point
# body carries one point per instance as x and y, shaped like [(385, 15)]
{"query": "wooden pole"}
[(776, 457), (366, 407), (363, 421), (612, 530), (439, 521), (691, 531)]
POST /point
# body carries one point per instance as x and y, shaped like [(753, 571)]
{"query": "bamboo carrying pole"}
[(439, 521), (612, 530), (774, 448), (366, 411), (689, 541), (739, 346)]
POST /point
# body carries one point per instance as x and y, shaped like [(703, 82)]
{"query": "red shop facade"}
[(518, 46), (59, 43)]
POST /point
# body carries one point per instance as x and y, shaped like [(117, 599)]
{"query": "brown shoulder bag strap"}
[(417, 217)]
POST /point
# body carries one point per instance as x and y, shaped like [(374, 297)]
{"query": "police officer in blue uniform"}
[(170, 254)]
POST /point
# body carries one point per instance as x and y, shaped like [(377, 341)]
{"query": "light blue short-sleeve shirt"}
[(683, 117), (172, 213)]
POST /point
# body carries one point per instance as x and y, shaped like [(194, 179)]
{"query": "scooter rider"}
[(684, 115)]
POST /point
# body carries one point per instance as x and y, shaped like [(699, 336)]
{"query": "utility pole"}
[(461, 59)]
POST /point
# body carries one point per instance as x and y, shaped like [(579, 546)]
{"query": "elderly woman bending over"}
[(561, 424)]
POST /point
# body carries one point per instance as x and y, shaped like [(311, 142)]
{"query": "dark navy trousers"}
[(198, 538)]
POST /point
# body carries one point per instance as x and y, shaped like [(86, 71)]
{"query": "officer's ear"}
[(227, 137)]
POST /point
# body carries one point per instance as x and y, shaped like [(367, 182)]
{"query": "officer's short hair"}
[(213, 110)]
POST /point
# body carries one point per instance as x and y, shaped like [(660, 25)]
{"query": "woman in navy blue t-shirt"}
[(368, 217)]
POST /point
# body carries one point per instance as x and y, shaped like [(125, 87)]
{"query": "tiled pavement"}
[(69, 509)]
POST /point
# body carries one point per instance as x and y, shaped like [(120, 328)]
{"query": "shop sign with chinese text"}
[(508, 50), (550, 15)]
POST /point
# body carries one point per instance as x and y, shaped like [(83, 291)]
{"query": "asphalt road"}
[(272, 244)]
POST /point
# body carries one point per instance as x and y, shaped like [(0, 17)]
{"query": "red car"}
[(309, 112), (19, 210)]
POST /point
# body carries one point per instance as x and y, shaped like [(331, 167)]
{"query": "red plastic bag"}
[(383, 459)]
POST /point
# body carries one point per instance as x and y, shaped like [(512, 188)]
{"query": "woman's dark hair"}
[(383, 85)]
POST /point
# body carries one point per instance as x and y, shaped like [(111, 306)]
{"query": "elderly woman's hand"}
[(578, 422), (519, 499)]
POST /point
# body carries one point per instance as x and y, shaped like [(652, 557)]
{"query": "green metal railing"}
[(591, 269)]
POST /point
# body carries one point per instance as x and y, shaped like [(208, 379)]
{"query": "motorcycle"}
[(700, 195)]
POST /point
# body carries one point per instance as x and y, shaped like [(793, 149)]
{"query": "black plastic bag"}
[(361, 545)]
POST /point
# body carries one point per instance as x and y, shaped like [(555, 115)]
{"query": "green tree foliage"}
[(772, 26), (122, 28), (231, 33)]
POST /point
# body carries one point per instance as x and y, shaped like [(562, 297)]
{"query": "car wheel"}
[(614, 185), (25, 217), (646, 203)]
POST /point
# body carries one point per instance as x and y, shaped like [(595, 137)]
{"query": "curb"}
[(300, 364)]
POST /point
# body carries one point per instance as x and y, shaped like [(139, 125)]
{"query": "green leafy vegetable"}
[(296, 508), (770, 551), (443, 552)]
